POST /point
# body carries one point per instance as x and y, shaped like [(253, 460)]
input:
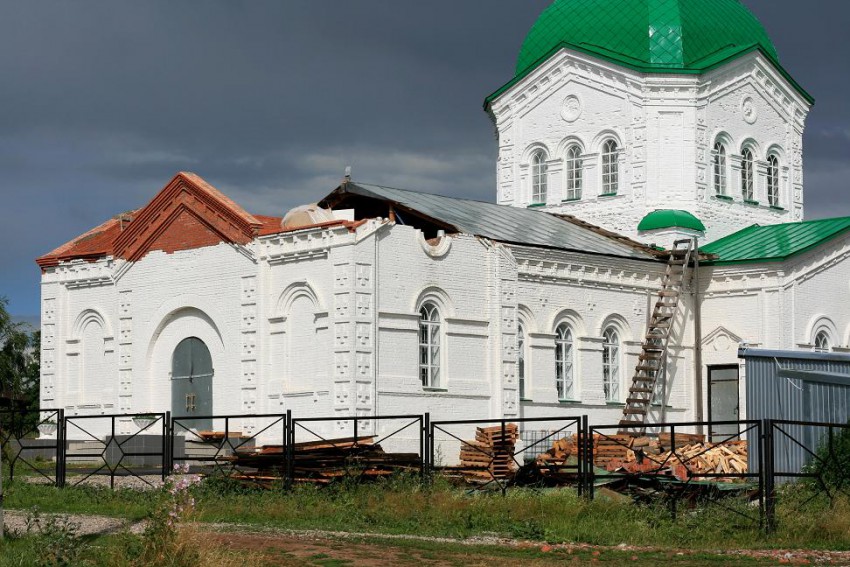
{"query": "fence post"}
[(167, 444), (581, 433), (289, 450), (424, 432), (61, 439), (673, 450), (769, 480)]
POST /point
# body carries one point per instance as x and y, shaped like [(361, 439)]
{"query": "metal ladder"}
[(654, 349)]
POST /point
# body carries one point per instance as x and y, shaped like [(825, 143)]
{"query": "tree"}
[(19, 362)]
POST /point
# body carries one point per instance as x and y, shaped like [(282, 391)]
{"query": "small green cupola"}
[(663, 227), (662, 219)]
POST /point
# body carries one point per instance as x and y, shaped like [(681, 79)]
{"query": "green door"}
[(191, 384)]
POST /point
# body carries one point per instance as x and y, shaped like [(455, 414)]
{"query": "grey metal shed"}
[(796, 386)]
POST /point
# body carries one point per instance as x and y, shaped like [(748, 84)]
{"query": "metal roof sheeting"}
[(774, 243), (505, 223)]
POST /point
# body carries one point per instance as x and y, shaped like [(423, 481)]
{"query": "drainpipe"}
[(697, 337)]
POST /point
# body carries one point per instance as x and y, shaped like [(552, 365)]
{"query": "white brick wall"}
[(666, 126)]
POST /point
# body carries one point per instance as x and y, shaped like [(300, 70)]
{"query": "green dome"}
[(667, 218), (647, 35)]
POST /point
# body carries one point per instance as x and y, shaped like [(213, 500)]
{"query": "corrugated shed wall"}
[(776, 389)]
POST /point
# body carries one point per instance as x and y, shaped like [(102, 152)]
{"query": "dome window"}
[(610, 168), (539, 180), (719, 169), (573, 167), (773, 181), (747, 175)]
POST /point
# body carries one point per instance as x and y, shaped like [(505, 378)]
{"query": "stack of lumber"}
[(692, 460), (610, 449), (491, 455), (323, 461), (682, 440), (607, 449)]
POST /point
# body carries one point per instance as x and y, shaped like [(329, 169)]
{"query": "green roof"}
[(650, 36), (774, 243), (667, 218)]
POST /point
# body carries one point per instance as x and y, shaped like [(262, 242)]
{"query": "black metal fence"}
[(107, 446), (815, 455), (679, 466), (495, 454), (279, 449), (23, 447), (250, 448)]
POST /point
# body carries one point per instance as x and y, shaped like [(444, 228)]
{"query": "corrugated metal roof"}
[(504, 223), (776, 242)]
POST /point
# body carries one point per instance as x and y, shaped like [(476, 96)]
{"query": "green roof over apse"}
[(667, 218), (774, 243), (650, 36)]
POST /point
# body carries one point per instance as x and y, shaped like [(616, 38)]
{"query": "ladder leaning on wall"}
[(654, 349)]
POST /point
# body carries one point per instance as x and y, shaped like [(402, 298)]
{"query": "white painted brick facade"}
[(666, 126)]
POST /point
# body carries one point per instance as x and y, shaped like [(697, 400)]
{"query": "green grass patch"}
[(403, 506)]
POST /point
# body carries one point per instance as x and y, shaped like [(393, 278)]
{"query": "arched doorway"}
[(191, 382)]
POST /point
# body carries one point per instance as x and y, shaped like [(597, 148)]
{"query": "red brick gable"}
[(187, 213)]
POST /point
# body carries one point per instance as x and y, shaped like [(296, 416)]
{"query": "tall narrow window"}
[(747, 175), (564, 362), (610, 168), (520, 360), (611, 365), (539, 181), (822, 342), (429, 346), (773, 181), (573, 173), (719, 169)]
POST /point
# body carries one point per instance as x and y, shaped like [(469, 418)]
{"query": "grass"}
[(404, 507)]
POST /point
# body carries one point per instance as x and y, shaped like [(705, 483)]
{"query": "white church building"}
[(624, 129)]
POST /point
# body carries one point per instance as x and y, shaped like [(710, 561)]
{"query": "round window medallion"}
[(571, 109), (748, 109)]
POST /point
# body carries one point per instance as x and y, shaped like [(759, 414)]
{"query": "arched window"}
[(719, 169), (611, 364), (822, 341), (610, 168), (539, 181), (564, 362), (773, 181), (520, 360), (429, 345), (747, 174), (573, 166)]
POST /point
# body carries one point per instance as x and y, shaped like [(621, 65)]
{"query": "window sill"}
[(571, 200), (724, 198), (430, 389), (751, 203), (777, 208), (609, 194), (569, 401), (615, 404), (535, 205)]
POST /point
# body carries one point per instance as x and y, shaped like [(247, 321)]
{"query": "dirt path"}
[(331, 549)]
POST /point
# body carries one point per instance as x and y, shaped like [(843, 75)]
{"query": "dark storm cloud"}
[(104, 101)]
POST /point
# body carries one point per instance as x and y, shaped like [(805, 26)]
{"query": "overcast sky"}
[(102, 102)]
